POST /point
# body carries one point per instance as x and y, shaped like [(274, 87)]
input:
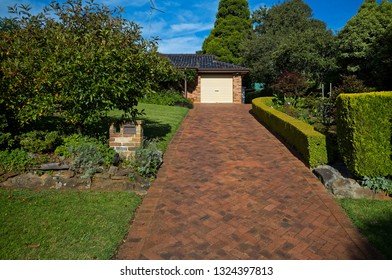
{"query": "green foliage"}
[(77, 61), (363, 41), (309, 143), (6, 140), (287, 38), (15, 160), (364, 127), (147, 160), (86, 154), (351, 84), (378, 184), (167, 97), (40, 141), (291, 84), (232, 26)]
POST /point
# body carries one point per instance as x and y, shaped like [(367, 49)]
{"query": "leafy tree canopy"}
[(288, 39), (231, 27), (360, 41), (75, 60)]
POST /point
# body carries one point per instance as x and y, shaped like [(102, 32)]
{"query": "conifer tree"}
[(232, 27)]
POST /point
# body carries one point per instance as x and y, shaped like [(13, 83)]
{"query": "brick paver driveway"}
[(230, 190)]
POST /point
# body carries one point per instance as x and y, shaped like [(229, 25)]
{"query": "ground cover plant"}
[(374, 220), (63, 225)]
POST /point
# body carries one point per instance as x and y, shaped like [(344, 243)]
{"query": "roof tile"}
[(203, 62)]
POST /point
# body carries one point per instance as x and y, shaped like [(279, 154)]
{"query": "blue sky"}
[(186, 23)]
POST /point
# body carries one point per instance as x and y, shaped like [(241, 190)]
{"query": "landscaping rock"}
[(53, 166), (113, 170), (66, 174), (24, 181), (124, 172), (339, 185), (5, 176)]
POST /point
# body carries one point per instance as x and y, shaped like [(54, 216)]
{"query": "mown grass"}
[(374, 220), (63, 225), (161, 122)]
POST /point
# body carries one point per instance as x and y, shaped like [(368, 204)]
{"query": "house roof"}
[(204, 63)]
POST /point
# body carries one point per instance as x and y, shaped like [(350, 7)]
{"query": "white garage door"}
[(217, 89)]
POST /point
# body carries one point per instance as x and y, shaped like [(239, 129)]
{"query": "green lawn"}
[(161, 121), (374, 220), (63, 225), (77, 225)]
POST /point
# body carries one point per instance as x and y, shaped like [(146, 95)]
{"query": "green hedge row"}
[(310, 144), (365, 132)]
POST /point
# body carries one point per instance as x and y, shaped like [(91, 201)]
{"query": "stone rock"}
[(124, 172), (5, 176), (66, 174), (327, 174), (113, 170), (340, 186), (72, 183), (25, 181), (53, 166)]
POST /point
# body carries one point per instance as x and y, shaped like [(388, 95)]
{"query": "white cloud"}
[(191, 27), (124, 3), (180, 45)]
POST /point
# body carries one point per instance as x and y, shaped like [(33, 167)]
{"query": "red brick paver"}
[(229, 189)]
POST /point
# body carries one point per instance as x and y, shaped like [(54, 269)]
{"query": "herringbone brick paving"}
[(229, 189)]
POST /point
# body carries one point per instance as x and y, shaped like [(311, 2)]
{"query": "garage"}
[(215, 81), (216, 89)]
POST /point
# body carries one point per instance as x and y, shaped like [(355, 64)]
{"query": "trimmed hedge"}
[(310, 144), (365, 133)]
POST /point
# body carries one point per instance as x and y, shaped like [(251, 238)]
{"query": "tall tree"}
[(232, 27), (287, 39), (360, 41)]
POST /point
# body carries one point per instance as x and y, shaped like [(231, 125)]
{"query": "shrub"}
[(40, 141), (148, 158), (378, 184), (291, 84), (364, 127), (6, 140), (309, 143), (86, 154), (351, 84), (167, 97), (15, 160)]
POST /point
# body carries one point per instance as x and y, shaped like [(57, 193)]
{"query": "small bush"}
[(167, 97), (15, 160), (378, 184), (148, 158), (86, 154), (291, 84), (309, 143), (40, 141), (6, 140), (351, 84), (364, 128)]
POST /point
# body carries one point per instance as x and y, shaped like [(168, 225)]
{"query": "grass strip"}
[(65, 225), (373, 218)]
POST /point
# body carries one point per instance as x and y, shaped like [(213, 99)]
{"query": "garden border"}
[(310, 144)]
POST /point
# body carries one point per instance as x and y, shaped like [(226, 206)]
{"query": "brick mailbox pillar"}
[(126, 137)]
